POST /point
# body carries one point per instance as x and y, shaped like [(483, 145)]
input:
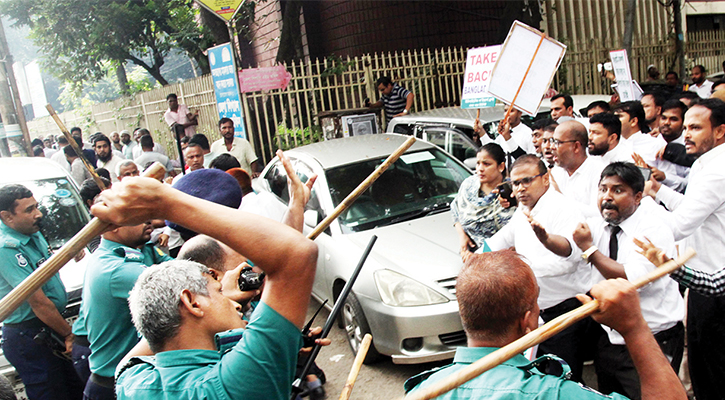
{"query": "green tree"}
[(79, 38)]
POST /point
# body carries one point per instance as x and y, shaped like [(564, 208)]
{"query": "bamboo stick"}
[(356, 365), (536, 336)]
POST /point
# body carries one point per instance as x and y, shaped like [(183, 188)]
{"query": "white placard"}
[(521, 46), (625, 87), (479, 64)]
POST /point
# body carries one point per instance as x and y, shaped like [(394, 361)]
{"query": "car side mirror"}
[(310, 217), (470, 163)]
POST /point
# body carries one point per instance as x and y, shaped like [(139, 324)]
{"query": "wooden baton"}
[(362, 351), (75, 147), (536, 336), (40, 276), (362, 187)]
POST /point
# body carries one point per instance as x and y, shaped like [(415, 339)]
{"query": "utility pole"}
[(17, 140), (679, 39), (629, 27)]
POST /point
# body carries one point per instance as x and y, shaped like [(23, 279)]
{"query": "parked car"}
[(63, 216), (405, 294), (451, 128)]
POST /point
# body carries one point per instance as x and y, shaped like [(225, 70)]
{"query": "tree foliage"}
[(80, 39)]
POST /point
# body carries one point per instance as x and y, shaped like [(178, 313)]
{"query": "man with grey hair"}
[(126, 168), (268, 349)]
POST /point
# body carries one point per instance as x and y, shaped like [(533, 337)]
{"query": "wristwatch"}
[(588, 253), (405, 111)]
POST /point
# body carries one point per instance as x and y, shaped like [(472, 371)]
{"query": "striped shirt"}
[(708, 284), (395, 102)]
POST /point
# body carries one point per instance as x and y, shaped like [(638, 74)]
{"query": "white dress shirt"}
[(622, 152), (137, 150), (559, 278), (111, 165), (59, 157), (661, 303), (521, 136), (581, 186), (698, 217), (648, 147), (704, 90), (241, 150)]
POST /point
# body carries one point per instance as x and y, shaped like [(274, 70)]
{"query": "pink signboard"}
[(257, 79)]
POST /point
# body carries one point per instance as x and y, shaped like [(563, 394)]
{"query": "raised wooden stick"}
[(40, 276), (536, 336), (344, 204), (75, 147), (362, 351)]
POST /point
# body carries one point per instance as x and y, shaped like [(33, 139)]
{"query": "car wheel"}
[(356, 326)]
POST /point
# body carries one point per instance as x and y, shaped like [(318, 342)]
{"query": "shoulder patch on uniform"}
[(11, 243), (159, 252), (414, 381), (129, 254), (22, 261)]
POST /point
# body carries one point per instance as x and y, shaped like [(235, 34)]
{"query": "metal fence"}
[(287, 117)]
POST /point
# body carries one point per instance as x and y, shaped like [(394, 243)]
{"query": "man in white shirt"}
[(556, 262), (149, 156), (576, 174), (562, 105), (78, 171), (604, 133), (202, 141), (697, 219), (178, 114), (137, 150), (237, 147), (700, 84), (652, 105), (59, 156), (520, 133), (105, 157), (631, 115), (606, 241), (128, 144)]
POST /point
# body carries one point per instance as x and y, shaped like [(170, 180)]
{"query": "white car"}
[(64, 214), (405, 294)]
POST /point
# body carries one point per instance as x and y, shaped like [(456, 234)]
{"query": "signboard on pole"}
[(224, 9), (479, 64), (226, 86), (266, 78), (526, 65), (625, 86)]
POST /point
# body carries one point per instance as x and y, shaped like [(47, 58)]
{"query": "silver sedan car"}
[(405, 294)]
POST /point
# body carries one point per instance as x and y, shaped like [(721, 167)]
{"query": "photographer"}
[(179, 306)]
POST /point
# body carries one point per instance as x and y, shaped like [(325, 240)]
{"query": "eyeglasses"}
[(525, 182), (557, 143)]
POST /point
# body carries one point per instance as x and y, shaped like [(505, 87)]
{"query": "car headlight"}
[(401, 291)]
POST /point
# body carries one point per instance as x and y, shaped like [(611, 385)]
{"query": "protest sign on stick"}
[(525, 67), (625, 85), (479, 64)]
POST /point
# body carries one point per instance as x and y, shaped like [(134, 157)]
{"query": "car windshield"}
[(418, 184), (63, 211)]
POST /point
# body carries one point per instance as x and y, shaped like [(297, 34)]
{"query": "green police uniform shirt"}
[(111, 272), (516, 378), (260, 366), (20, 255)]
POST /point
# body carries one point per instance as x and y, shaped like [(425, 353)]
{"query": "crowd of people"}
[(588, 204), (592, 198)]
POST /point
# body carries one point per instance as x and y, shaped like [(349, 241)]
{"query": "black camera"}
[(250, 280)]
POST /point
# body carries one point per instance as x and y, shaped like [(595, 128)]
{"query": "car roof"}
[(29, 169), (337, 152)]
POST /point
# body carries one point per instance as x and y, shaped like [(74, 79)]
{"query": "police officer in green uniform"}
[(123, 254), (497, 294), (45, 373)]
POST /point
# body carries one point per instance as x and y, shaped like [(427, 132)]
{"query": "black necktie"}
[(613, 243)]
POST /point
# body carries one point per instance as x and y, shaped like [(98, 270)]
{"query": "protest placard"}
[(625, 86), (525, 67), (479, 64)]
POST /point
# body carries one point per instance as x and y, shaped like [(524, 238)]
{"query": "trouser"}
[(99, 388), (569, 344), (706, 345), (44, 374), (80, 354), (615, 368)]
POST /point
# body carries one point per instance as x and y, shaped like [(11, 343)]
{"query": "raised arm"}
[(287, 257)]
